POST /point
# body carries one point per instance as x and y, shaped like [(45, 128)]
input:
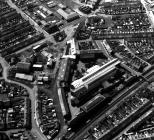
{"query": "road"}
[(79, 135), (35, 129), (69, 29), (149, 12), (130, 90)]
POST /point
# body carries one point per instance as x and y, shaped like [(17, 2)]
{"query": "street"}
[(35, 128)]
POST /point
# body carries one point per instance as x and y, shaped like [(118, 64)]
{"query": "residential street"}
[(35, 129)]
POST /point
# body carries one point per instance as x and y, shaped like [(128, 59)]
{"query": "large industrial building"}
[(94, 78), (67, 14)]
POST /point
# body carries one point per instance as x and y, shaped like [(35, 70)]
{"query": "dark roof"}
[(23, 66)]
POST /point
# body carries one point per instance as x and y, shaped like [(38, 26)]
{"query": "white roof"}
[(73, 48), (37, 65), (92, 69)]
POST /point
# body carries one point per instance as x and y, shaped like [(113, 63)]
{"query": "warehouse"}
[(64, 104), (37, 67), (93, 79), (70, 51), (24, 76), (64, 71), (23, 67)]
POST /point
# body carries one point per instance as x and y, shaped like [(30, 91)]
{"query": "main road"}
[(35, 129)]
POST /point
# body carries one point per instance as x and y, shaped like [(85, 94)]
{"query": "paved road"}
[(32, 92), (48, 37), (79, 135), (35, 129), (148, 12), (124, 94)]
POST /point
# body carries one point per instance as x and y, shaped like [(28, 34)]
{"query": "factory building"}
[(93, 78), (23, 76)]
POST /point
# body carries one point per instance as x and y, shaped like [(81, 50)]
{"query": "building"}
[(88, 49), (71, 50), (91, 3), (23, 67), (1, 70), (93, 103), (43, 79), (64, 104), (93, 79), (68, 14), (37, 67), (39, 47), (118, 125), (64, 71), (23, 76), (51, 63), (2, 121)]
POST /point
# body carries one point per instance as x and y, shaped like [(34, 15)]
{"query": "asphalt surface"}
[(35, 129), (32, 92), (69, 29)]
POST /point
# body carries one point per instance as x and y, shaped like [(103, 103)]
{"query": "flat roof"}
[(63, 72), (67, 14)]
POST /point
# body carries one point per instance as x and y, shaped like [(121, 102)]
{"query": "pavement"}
[(69, 29), (48, 37), (128, 91), (149, 11), (32, 92), (35, 129), (134, 123)]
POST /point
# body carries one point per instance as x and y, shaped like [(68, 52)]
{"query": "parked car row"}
[(47, 116)]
